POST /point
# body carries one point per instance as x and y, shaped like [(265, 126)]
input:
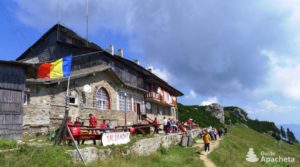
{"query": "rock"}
[(239, 113), (217, 111), (90, 154), (20, 142)]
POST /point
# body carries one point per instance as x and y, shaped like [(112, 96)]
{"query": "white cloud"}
[(289, 80), (284, 74), (270, 107), (209, 101), (192, 95), (162, 73)]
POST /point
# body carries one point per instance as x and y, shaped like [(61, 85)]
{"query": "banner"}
[(115, 138)]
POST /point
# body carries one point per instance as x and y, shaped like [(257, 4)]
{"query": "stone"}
[(217, 111)]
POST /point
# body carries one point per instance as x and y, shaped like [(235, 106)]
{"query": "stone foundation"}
[(141, 147)]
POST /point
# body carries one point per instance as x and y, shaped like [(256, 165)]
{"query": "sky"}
[(235, 52)]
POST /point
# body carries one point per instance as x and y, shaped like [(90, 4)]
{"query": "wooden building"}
[(12, 87), (116, 84)]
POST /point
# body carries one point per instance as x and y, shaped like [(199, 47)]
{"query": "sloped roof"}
[(95, 47)]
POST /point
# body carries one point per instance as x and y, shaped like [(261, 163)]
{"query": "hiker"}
[(155, 124), (174, 125), (181, 127), (220, 132), (189, 123), (110, 125), (206, 140), (78, 122), (103, 125), (69, 122), (93, 122), (169, 127), (165, 125), (212, 134)]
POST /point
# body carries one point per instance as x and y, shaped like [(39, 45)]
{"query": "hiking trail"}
[(213, 145)]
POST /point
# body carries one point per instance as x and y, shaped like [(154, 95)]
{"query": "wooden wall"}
[(12, 86)]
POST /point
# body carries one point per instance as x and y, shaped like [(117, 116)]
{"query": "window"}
[(125, 99), (72, 100), (102, 99)]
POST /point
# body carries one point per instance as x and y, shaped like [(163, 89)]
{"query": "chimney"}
[(149, 69), (137, 62), (120, 52), (111, 49)]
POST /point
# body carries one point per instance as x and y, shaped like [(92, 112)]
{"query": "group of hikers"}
[(172, 125), (210, 134), (93, 122)]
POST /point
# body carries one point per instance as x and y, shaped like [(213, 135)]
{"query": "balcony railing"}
[(154, 96)]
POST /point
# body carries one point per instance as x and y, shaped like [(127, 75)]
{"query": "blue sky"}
[(236, 52)]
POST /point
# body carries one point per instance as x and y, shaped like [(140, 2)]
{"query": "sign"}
[(115, 138)]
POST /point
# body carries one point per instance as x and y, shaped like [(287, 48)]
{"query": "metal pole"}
[(87, 23), (125, 94)]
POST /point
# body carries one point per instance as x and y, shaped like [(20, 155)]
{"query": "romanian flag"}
[(57, 69)]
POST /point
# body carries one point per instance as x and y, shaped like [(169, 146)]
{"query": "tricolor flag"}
[(57, 69)]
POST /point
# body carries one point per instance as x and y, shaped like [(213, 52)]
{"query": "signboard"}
[(115, 138)]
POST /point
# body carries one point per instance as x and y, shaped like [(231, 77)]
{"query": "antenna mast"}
[(87, 22)]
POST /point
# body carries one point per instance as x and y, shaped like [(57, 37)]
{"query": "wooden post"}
[(62, 130), (77, 149)]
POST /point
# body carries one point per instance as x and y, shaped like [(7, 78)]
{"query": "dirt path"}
[(213, 145)]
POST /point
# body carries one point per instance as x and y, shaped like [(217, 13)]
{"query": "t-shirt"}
[(165, 122), (103, 125), (93, 121)]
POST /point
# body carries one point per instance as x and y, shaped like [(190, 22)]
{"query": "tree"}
[(282, 132), (291, 137)]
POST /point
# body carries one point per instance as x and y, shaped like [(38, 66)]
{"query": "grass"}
[(175, 156), (234, 148), (55, 156), (7, 144)]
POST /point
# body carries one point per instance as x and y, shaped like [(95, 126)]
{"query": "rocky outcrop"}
[(240, 113), (217, 111)]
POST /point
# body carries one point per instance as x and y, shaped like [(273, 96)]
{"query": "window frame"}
[(98, 99)]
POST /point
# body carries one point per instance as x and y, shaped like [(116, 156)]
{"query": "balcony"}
[(155, 97)]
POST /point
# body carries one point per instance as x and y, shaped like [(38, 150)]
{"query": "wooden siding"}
[(12, 86)]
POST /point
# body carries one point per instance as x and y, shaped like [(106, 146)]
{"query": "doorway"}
[(138, 111)]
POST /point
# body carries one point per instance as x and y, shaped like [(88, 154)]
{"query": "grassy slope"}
[(55, 156), (233, 149)]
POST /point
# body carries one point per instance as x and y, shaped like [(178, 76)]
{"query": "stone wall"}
[(46, 107), (141, 147)]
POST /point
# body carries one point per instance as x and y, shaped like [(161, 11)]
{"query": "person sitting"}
[(103, 125), (78, 122), (109, 125), (69, 122)]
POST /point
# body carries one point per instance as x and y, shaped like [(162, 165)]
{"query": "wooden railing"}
[(153, 95)]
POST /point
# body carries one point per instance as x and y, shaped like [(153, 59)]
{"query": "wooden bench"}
[(87, 133)]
